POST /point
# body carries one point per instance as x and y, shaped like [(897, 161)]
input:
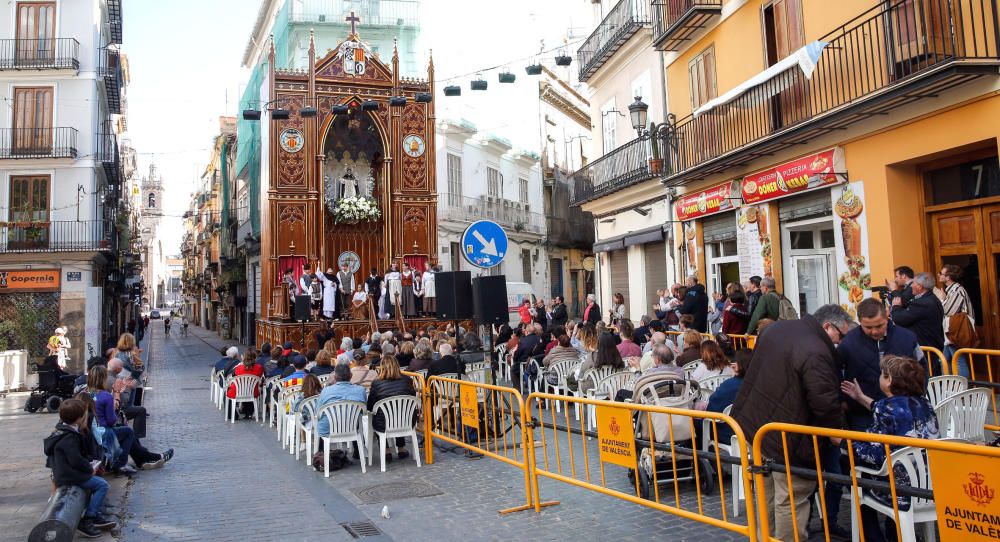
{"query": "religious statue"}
[(348, 184)]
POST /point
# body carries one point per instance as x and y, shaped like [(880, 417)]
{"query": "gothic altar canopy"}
[(354, 181)]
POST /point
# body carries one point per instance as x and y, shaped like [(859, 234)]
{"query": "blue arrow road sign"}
[(484, 244)]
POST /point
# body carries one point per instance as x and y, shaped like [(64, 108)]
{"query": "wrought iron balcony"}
[(110, 69), (567, 226), (62, 236), (40, 54), (887, 57), (397, 13), (108, 155), (629, 164), (620, 24), (38, 142), (512, 215), (115, 20), (675, 21)]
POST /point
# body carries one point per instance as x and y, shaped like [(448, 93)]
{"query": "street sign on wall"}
[(484, 244)]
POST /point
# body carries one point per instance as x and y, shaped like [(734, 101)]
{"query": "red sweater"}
[(256, 370)]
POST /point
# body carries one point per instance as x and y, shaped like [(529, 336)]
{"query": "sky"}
[(184, 61)]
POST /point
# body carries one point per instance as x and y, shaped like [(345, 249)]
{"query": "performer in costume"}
[(330, 294), (359, 303), (346, 279), (430, 293), (317, 294), (394, 287), (383, 302), (407, 299), (418, 293), (291, 286), (374, 286)]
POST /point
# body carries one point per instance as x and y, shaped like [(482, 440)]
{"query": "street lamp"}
[(639, 112)]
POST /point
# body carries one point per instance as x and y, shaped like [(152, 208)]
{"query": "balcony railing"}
[(398, 13), (110, 69), (38, 142), (62, 236), (512, 215), (627, 165), (108, 155), (675, 21), (620, 24), (115, 20), (567, 226), (40, 54), (887, 57)]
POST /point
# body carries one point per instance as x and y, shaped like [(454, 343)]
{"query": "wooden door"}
[(32, 120), (791, 105), (36, 24), (962, 237)]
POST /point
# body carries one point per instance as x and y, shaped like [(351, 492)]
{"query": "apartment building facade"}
[(62, 79)]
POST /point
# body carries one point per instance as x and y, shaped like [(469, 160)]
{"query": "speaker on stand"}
[(454, 295), (302, 311)]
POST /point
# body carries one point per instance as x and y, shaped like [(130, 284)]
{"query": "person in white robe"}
[(394, 287), (330, 294)]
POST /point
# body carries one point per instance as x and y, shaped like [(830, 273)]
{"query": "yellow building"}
[(826, 143)]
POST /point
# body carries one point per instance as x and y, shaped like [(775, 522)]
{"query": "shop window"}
[(826, 239), (970, 180), (801, 240)]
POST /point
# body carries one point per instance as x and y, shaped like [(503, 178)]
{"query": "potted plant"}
[(655, 161)]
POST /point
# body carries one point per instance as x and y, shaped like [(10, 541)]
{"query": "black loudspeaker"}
[(489, 300), (454, 295), (303, 308)]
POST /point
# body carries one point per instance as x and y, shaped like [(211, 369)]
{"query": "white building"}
[(482, 177), (62, 83)]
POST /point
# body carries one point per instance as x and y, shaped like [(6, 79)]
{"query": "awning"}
[(608, 246), (806, 58), (651, 235)]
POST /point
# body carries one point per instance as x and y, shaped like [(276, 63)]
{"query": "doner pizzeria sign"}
[(716, 199)]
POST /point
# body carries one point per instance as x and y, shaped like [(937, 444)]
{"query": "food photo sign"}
[(851, 235)]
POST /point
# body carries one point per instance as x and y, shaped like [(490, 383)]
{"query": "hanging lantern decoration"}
[(480, 83), (452, 90), (533, 69), (506, 76), (562, 59)]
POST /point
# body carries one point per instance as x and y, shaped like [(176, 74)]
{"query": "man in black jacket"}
[(529, 346), (446, 364), (70, 455), (696, 304), (558, 312), (793, 378), (373, 284), (923, 315)]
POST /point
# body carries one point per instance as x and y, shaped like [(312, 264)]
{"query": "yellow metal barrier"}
[(982, 363), (482, 418), (741, 342), (952, 477), (579, 460), (421, 387), (933, 354)]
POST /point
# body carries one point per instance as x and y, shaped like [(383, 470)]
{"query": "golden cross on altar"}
[(353, 19)]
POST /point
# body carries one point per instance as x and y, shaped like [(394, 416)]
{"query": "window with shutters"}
[(35, 32), (494, 182), (456, 256), (701, 77), (523, 189), (29, 203), (32, 120), (526, 264), (609, 126), (454, 180)]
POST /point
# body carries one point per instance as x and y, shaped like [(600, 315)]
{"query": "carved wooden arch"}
[(383, 132)]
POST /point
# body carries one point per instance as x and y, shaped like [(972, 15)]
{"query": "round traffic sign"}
[(484, 244)]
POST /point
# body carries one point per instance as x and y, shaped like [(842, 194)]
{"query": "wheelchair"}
[(53, 387)]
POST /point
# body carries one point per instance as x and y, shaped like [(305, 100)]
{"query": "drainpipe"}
[(671, 191)]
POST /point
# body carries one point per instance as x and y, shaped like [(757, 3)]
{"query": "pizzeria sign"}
[(712, 200), (810, 172)]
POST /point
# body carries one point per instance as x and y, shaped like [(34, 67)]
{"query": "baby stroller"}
[(668, 391), (54, 385)]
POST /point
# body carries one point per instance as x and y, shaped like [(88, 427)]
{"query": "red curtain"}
[(294, 263), (416, 262)]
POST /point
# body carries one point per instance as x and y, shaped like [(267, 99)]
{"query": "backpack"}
[(338, 460), (786, 311)]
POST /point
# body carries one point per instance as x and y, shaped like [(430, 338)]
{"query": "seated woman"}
[(904, 412), (423, 355), (606, 356), (359, 304), (691, 348), (105, 406), (390, 383), (324, 364), (248, 367), (405, 355), (713, 362), (361, 372), (311, 387), (563, 352), (725, 394)]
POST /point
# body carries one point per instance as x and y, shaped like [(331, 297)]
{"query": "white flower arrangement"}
[(356, 209)]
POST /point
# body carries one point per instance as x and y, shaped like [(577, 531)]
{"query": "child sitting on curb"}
[(71, 455)]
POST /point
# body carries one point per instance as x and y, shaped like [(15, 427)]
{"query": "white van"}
[(517, 292)]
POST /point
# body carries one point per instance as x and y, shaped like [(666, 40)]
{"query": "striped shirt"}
[(956, 300)]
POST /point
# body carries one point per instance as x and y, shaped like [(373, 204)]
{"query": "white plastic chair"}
[(346, 426), (940, 388), (963, 415), (732, 448), (503, 367), (267, 398), (245, 385), (213, 385), (606, 388), (305, 410), (286, 398), (479, 377), (709, 384), (914, 462), (561, 370), (475, 366), (398, 412), (689, 368)]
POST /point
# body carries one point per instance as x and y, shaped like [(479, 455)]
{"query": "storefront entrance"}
[(808, 248), (970, 238)]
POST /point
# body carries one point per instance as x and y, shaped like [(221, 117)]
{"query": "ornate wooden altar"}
[(356, 143)]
